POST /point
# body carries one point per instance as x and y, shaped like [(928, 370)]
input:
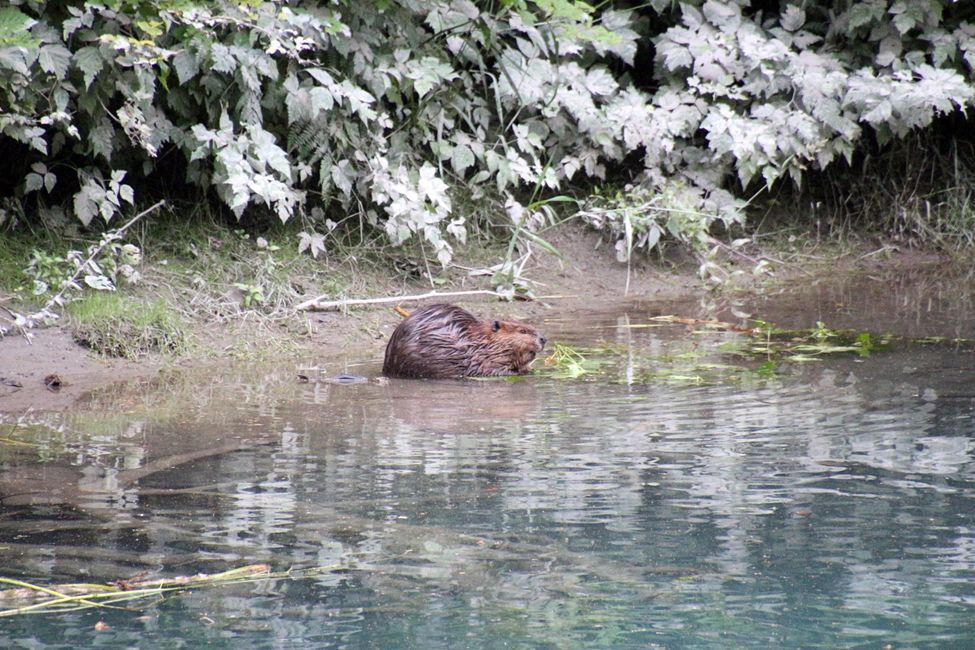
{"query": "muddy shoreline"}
[(904, 294)]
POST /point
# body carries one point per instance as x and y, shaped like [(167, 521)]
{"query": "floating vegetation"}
[(567, 362), (762, 342), (27, 598), (625, 365), (812, 344)]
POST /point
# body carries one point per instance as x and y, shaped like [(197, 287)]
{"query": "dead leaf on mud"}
[(53, 382), (13, 383)]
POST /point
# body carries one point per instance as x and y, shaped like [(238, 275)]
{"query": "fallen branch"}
[(734, 251), (316, 304)]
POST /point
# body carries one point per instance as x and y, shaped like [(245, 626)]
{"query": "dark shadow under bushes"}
[(918, 191)]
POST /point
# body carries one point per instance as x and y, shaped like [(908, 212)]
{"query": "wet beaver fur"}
[(447, 342)]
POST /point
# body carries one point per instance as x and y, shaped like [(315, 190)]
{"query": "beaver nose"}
[(541, 342)]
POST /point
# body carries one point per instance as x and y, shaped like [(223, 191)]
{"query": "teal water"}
[(678, 498)]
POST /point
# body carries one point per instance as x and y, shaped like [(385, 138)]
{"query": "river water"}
[(677, 495)]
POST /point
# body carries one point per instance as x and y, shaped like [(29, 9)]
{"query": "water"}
[(826, 505)]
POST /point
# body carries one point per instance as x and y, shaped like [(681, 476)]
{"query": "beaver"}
[(447, 342)]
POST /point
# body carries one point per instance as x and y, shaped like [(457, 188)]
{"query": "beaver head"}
[(511, 348)]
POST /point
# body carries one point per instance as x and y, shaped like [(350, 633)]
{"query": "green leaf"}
[(55, 59), (14, 58), (322, 77), (865, 13), (101, 140), (14, 27), (543, 244), (33, 182), (222, 59), (151, 28), (99, 283), (461, 158), (89, 60), (359, 100), (313, 242), (321, 100), (85, 205), (793, 18), (186, 66), (428, 73)]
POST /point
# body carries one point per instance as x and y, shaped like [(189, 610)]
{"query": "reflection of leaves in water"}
[(529, 586), (18, 436)]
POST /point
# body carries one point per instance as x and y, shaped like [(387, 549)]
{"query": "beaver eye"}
[(496, 326)]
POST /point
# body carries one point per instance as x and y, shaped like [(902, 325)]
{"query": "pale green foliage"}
[(416, 201), (40, 177), (384, 113), (98, 197), (312, 242), (247, 166), (102, 267), (399, 113), (47, 271), (777, 97), (637, 218), (14, 26)]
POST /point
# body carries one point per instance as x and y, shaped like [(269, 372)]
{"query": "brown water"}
[(678, 496)]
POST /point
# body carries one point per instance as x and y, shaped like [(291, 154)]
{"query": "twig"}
[(60, 597), (316, 304), (108, 239), (10, 311), (17, 321), (735, 251), (883, 249)]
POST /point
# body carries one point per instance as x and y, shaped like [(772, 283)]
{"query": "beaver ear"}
[(495, 326)]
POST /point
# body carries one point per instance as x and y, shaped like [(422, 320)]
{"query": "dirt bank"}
[(586, 277)]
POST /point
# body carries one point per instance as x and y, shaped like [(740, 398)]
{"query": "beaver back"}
[(445, 341)]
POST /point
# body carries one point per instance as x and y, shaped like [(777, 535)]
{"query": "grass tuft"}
[(117, 325)]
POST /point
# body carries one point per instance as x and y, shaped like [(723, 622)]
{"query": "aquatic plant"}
[(566, 362), (764, 343)]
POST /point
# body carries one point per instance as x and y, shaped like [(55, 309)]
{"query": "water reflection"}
[(827, 505)]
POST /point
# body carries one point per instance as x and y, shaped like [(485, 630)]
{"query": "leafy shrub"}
[(398, 112), (779, 94)]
